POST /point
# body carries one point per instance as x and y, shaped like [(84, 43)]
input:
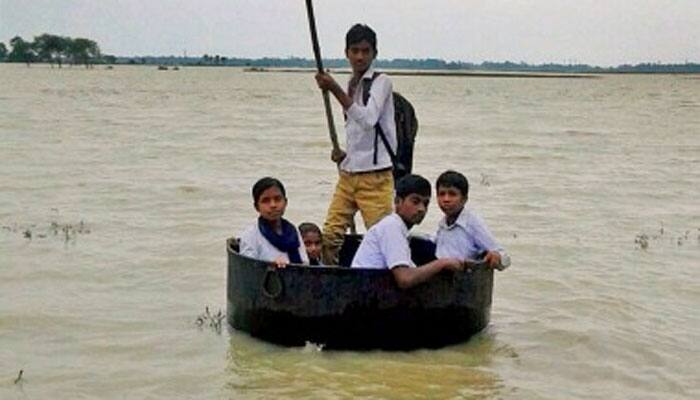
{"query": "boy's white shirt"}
[(359, 126), (254, 245), (385, 245), (466, 238)]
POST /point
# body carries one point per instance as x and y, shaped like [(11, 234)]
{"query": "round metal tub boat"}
[(355, 308)]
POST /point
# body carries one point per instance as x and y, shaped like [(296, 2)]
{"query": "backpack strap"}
[(379, 133), (367, 85)]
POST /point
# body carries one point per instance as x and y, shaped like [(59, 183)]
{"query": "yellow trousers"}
[(370, 192)]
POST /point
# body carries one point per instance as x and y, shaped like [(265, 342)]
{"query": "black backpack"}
[(406, 130)]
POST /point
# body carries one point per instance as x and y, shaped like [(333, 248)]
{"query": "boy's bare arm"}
[(407, 277), (326, 82)]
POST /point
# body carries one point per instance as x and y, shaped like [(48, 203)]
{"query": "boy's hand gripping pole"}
[(319, 66)]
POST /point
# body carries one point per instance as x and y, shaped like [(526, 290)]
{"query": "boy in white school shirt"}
[(365, 181), (462, 233), (272, 238), (386, 243)]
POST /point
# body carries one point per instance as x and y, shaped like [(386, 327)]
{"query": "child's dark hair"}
[(358, 33), (410, 184), (265, 183), (306, 227), (453, 179)]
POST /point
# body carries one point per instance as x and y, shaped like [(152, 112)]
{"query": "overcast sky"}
[(599, 32)]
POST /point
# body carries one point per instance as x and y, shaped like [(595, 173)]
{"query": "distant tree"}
[(3, 52), (217, 59), (21, 51), (84, 51), (51, 48), (109, 59)]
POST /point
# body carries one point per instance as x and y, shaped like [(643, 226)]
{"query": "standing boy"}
[(386, 244), (461, 232), (365, 182)]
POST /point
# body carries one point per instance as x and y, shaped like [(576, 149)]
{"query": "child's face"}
[(360, 56), (450, 200), (271, 204), (312, 242), (412, 208)]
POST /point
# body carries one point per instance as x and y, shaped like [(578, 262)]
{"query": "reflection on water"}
[(262, 370)]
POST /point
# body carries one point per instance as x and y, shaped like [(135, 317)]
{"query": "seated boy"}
[(311, 236), (462, 233), (386, 244), (272, 238)]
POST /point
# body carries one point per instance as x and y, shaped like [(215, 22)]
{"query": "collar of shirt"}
[(353, 89), (462, 220)]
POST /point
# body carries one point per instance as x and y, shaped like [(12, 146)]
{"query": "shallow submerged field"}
[(119, 188)]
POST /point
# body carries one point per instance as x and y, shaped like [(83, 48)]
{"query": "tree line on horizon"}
[(416, 64), (55, 49)]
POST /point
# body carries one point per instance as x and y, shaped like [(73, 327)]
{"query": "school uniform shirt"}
[(385, 245), (466, 238), (254, 245), (359, 126)]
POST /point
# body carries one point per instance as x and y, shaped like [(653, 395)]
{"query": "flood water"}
[(118, 189)]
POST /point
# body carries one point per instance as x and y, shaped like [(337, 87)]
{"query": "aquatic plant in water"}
[(68, 232), (213, 321), (644, 240)]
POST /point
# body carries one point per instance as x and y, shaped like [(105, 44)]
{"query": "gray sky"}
[(600, 32)]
